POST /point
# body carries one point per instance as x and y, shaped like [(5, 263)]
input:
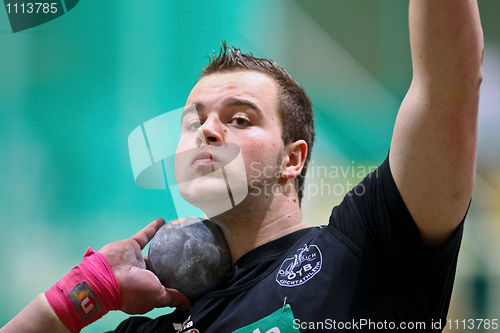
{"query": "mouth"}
[(203, 161), (203, 158)]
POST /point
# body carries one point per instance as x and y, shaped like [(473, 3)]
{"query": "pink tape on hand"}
[(86, 293)]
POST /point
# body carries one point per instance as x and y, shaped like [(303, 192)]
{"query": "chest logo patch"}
[(300, 268)]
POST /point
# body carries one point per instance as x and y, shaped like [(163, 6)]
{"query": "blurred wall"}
[(71, 91)]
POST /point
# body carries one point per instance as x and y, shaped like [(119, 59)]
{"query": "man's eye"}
[(193, 125), (240, 121)]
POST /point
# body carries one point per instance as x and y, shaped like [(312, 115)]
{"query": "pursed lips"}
[(208, 157), (203, 157)]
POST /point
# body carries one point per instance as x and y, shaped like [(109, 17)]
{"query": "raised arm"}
[(432, 154)]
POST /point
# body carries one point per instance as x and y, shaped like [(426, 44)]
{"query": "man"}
[(387, 258)]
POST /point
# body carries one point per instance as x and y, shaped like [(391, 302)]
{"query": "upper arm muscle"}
[(432, 159)]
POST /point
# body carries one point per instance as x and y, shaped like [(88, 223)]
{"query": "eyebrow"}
[(230, 101), (236, 101), (188, 110)]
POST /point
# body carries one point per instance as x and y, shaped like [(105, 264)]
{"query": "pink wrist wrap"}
[(86, 293)]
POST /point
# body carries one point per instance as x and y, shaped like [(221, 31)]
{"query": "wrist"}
[(86, 293)]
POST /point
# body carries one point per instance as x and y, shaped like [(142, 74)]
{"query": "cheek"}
[(261, 158), (186, 144), (261, 142), (181, 145)]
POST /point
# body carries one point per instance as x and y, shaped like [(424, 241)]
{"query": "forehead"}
[(256, 86)]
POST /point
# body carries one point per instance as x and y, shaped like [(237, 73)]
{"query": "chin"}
[(208, 194), (203, 188)]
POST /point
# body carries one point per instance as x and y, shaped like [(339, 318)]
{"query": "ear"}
[(295, 154)]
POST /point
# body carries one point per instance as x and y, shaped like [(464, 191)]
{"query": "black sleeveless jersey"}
[(367, 270)]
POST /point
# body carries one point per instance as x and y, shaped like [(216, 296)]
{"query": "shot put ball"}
[(191, 255)]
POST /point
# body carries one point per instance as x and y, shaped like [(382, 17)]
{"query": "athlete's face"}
[(234, 109)]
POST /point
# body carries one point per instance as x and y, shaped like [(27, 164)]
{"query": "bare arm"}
[(432, 155), (36, 317)]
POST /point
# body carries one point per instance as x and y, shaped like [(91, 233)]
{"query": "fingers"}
[(144, 236), (174, 298)]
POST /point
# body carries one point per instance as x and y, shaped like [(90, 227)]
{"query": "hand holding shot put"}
[(137, 290), (140, 289)]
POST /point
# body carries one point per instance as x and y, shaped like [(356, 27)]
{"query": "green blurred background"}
[(71, 91)]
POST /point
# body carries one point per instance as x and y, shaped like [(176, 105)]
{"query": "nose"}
[(210, 131)]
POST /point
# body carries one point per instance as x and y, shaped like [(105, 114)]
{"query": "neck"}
[(251, 224)]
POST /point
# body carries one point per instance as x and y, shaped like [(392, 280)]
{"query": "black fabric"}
[(368, 263)]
